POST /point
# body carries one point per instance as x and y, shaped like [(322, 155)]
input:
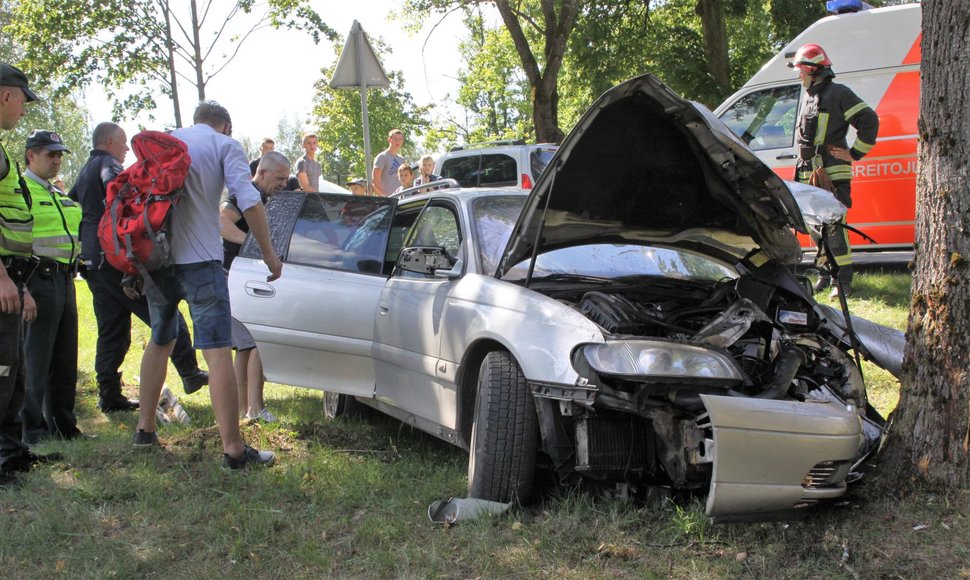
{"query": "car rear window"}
[(488, 170), (538, 160)]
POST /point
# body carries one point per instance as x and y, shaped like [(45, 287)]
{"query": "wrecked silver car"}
[(633, 321)]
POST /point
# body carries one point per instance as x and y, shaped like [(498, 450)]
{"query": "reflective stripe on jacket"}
[(828, 109), (16, 222), (56, 221)]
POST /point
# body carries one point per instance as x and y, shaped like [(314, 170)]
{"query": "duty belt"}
[(19, 268), (48, 267)]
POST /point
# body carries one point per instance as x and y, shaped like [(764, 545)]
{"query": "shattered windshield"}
[(496, 216)]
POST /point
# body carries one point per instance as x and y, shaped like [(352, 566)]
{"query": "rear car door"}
[(314, 326)]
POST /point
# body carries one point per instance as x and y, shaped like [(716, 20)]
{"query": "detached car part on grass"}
[(633, 321)]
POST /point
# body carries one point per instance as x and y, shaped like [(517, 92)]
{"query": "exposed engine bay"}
[(644, 430)]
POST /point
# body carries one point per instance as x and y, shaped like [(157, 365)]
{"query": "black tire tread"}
[(507, 444)]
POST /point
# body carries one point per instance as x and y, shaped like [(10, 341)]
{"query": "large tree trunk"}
[(711, 13), (930, 436), (544, 82)]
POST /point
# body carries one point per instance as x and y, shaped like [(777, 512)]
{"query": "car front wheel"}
[(505, 434)]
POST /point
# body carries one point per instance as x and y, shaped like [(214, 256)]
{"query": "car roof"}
[(464, 194)]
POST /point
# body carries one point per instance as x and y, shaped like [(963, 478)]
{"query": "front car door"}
[(314, 326), (407, 334)]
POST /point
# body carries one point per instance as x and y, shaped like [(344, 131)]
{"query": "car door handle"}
[(789, 156), (383, 307), (260, 290)]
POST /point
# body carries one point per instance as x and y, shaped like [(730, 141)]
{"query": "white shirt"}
[(217, 161)]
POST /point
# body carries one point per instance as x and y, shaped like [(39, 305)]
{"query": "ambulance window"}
[(765, 119)]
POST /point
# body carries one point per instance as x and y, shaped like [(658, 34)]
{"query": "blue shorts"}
[(203, 287)]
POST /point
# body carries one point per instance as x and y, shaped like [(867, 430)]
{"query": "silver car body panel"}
[(328, 346), (763, 451), (418, 362)]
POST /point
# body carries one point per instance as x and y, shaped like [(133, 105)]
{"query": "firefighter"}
[(827, 111)]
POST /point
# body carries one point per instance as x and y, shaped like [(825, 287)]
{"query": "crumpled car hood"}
[(644, 164)]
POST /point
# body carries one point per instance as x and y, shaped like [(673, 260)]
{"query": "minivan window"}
[(464, 170), (538, 160), (488, 170), (498, 170), (765, 119)]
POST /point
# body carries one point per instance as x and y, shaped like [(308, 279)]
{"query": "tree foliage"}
[(539, 31), (616, 40), (337, 120), (138, 49), (494, 90), (59, 114)]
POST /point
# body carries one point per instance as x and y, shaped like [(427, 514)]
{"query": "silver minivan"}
[(496, 163)]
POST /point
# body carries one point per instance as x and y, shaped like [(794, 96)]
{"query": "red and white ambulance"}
[(876, 53)]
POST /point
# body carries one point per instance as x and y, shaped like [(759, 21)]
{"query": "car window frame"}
[(284, 211), (430, 205)]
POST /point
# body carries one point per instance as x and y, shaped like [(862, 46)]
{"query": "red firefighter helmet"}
[(810, 58)]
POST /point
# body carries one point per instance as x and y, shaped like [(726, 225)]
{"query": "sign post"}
[(358, 68)]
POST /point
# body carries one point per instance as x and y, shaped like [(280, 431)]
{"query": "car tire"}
[(337, 406), (505, 434)]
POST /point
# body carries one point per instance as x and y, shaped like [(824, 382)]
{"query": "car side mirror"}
[(425, 260)]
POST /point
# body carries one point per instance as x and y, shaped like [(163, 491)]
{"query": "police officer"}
[(828, 109), (51, 339), (112, 307), (16, 233)]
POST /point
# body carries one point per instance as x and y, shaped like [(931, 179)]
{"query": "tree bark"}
[(711, 13), (544, 82), (930, 437), (197, 46), (172, 75)]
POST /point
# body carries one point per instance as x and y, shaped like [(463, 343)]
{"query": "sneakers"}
[(249, 457), (145, 439), (195, 381), (264, 415)]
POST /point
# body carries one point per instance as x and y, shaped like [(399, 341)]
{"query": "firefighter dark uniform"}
[(827, 111), (51, 339), (16, 236)]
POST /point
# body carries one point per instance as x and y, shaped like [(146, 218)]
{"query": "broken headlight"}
[(661, 361)]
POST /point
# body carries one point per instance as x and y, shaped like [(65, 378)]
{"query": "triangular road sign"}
[(358, 65)]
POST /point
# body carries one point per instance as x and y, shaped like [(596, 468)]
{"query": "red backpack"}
[(136, 225)]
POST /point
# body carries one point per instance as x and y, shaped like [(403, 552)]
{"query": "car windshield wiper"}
[(563, 277)]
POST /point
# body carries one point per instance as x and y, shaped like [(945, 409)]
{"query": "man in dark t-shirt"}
[(271, 175)]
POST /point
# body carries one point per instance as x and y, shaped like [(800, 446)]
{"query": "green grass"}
[(349, 499)]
